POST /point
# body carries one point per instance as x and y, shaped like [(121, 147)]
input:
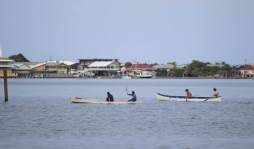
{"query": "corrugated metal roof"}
[(37, 65), (27, 65), (20, 66), (5, 63), (6, 66), (100, 64), (4, 59), (68, 63), (247, 68)]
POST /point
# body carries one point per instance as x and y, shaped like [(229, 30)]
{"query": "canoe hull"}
[(101, 101), (162, 97)]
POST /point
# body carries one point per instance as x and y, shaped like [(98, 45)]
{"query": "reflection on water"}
[(39, 115)]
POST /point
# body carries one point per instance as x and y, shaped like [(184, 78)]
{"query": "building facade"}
[(29, 69), (58, 69), (6, 64), (141, 71), (247, 71), (99, 67)]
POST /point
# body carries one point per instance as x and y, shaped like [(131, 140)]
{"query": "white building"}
[(103, 68)]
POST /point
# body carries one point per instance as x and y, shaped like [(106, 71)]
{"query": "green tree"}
[(128, 64), (195, 68), (161, 72), (19, 58)]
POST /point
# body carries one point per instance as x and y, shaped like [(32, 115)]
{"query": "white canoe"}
[(163, 97), (101, 101)]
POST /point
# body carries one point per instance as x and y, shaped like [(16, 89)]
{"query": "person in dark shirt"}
[(110, 97), (133, 96)]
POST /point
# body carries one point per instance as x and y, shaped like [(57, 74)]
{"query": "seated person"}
[(188, 93), (215, 92), (110, 97), (133, 96)]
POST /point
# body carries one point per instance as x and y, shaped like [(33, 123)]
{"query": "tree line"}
[(200, 69)]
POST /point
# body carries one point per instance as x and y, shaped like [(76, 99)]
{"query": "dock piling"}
[(5, 86)]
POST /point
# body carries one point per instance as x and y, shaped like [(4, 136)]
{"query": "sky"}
[(131, 30)]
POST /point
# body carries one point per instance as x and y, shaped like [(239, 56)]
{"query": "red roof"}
[(142, 67), (251, 67)]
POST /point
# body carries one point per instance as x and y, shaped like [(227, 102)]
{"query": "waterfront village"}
[(20, 67)]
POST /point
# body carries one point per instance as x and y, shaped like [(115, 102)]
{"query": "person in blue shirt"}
[(133, 96), (110, 97)]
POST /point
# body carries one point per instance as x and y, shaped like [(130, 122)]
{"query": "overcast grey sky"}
[(143, 30)]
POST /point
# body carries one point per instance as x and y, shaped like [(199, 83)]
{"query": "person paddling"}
[(133, 97), (188, 93), (215, 92), (110, 97)]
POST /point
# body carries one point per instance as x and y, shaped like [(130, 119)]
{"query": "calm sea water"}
[(39, 115)]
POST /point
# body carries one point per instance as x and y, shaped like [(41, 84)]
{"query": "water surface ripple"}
[(39, 115)]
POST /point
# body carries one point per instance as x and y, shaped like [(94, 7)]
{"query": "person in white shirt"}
[(215, 92)]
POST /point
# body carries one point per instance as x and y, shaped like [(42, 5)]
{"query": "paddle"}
[(126, 90), (206, 99)]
